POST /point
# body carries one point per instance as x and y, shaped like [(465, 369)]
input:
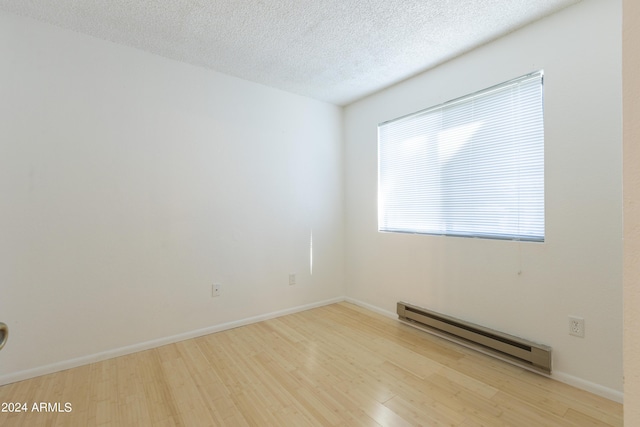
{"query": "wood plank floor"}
[(339, 365)]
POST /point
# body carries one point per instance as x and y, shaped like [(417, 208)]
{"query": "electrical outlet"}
[(576, 326), (215, 290), (292, 279)]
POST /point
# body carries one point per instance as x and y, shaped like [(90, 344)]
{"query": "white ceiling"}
[(332, 50)]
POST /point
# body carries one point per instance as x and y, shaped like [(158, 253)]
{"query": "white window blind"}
[(470, 167)]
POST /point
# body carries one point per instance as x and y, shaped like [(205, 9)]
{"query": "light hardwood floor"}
[(339, 365)]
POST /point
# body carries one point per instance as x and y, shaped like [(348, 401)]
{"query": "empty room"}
[(298, 213)]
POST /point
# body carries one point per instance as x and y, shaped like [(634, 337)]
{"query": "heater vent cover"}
[(507, 347)]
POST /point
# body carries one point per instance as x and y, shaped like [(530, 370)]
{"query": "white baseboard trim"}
[(606, 392), (597, 389), (122, 351), (372, 308)]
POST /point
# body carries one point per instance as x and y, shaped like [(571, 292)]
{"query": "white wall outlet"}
[(292, 279), (215, 290), (576, 326)]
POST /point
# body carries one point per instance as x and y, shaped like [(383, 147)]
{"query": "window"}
[(471, 167)]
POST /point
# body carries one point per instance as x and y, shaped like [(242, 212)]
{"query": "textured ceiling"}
[(332, 50)]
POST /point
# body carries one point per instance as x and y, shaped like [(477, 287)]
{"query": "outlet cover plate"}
[(576, 326)]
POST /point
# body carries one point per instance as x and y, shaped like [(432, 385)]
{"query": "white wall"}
[(578, 270), (631, 148), (130, 183)]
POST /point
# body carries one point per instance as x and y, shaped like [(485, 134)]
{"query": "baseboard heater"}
[(512, 349)]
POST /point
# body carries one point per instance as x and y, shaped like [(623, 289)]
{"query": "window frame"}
[(537, 76)]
